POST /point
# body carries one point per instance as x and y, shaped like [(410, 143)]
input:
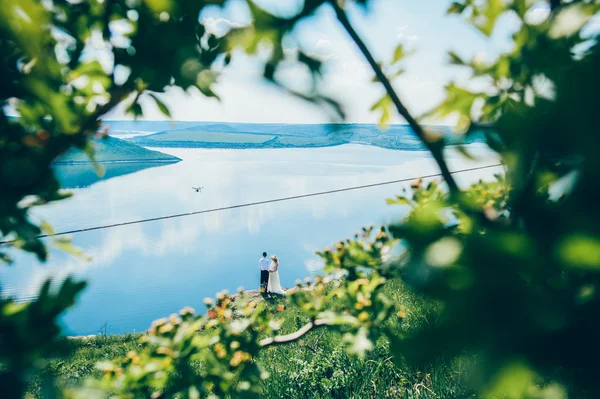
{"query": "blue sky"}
[(420, 25)]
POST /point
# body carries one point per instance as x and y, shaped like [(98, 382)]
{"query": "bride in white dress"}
[(274, 286)]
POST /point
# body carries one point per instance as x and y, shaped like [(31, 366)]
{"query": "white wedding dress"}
[(274, 286)]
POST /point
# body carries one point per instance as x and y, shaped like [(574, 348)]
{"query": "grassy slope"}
[(316, 367), (111, 149), (208, 137)]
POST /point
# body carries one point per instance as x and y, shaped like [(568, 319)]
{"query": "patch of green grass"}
[(85, 353), (210, 137), (317, 366)]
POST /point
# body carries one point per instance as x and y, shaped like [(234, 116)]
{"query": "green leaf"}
[(135, 109), (68, 292), (46, 228), (92, 69), (385, 118), (204, 82), (513, 381), (464, 152), (432, 185), (456, 8), (159, 6), (502, 69), (90, 151), (399, 72), (383, 104), (162, 106), (580, 251), (5, 258), (458, 100), (314, 65), (485, 17), (399, 200), (260, 17), (521, 7), (455, 59), (399, 54), (67, 246)]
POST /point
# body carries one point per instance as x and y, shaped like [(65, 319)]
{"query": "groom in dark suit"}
[(263, 264)]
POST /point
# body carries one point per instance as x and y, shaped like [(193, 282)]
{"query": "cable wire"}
[(248, 204)]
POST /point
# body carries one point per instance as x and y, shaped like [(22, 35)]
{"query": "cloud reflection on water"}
[(143, 271)]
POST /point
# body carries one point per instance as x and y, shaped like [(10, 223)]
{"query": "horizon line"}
[(272, 123)]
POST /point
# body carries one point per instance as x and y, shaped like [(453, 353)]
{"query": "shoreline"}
[(254, 296), (118, 161)]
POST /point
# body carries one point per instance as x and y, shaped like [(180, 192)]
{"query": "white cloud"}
[(401, 34), (408, 38), (323, 43), (246, 98)]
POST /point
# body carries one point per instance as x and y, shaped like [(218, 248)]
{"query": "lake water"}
[(145, 271)]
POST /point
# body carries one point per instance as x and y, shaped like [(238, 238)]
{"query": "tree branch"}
[(434, 147), (282, 339), (115, 98)]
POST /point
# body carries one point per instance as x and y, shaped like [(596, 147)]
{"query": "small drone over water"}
[(198, 189)]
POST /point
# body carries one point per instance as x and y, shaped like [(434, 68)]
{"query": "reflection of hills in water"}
[(118, 158), (110, 149), (249, 135)]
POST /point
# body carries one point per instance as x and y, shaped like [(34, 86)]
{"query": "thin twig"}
[(116, 97), (416, 388), (434, 147), (319, 337), (282, 339), (313, 347)]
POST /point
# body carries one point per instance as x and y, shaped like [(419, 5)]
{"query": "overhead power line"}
[(249, 204)]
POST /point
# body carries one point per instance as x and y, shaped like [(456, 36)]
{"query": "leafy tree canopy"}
[(514, 268)]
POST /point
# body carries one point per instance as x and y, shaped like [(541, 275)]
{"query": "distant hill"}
[(272, 135), (111, 149), (117, 128), (118, 157)]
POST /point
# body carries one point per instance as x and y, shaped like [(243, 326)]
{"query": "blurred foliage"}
[(512, 264), (316, 366), (28, 335), (65, 64)]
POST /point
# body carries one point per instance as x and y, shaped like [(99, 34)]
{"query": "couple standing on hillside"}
[(269, 275)]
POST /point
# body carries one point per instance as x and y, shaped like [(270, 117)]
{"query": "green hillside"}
[(110, 149)]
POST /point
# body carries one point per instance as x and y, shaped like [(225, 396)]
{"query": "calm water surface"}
[(145, 271)]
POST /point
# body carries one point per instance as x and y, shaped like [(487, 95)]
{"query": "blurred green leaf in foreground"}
[(512, 264)]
